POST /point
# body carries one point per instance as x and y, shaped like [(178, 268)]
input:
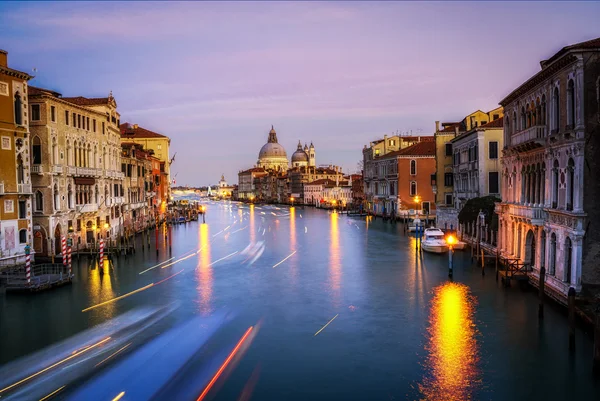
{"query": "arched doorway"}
[(40, 246), (89, 232), (57, 243), (530, 248)]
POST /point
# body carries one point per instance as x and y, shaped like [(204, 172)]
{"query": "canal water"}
[(347, 310)]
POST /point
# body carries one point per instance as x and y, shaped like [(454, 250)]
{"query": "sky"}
[(214, 77)]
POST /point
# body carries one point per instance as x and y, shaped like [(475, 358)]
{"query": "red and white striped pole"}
[(64, 251), (28, 264), (101, 253), (69, 257)]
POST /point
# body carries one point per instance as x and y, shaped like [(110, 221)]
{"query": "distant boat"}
[(434, 241), (412, 225)]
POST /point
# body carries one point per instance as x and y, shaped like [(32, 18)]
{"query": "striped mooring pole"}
[(69, 257), (101, 253), (64, 250), (28, 263)]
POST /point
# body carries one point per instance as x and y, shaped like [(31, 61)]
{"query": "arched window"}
[(543, 110), (552, 260), (523, 119), (514, 122), (22, 236), (528, 116), (543, 184), (413, 167), (56, 198), (18, 109), (54, 152), (555, 185), (39, 201), (96, 194), (413, 188), (570, 183), (20, 170), (555, 110), (95, 162), (36, 150), (70, 197), (568, 260), (543, 250), (69, 155), (571, 103)]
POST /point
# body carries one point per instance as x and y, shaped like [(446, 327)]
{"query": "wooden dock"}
[(43, 277)]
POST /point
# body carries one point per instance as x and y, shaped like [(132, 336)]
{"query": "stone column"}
[(523, 186), (579, 103), (534, 182)]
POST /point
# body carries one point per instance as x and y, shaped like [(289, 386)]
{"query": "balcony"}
[(38, 169), (534, 215), (57, 169), (88, 208), (1, 188), (150, 194), (24, 188), (530, 138), (119, 175), (71, 170), (118, 200), (135, 205)]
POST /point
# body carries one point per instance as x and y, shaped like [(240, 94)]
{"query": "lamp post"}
[(417, 200), (292, 201), (451, 240)]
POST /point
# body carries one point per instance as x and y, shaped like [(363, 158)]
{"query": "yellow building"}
[(15, 175), (444, 188), (152, 141)]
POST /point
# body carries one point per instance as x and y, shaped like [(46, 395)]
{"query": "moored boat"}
[(434, 241)]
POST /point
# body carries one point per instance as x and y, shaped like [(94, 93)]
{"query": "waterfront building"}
[(377, 185), (476, 166), (326, 192), (15, 174), (550, 163), (138, 212), (159, 144), (300, 176), (224, 190), (246, 188), (75, 163), (382, 174), (358, 189), (447, 214)]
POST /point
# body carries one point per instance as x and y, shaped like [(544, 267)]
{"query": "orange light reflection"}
[(453, 349), (205, 278), (334, 258)]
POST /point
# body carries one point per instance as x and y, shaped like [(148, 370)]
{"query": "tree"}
[(487, 204)]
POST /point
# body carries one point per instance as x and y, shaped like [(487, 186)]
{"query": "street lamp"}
[(292, 200), (417, 200), (450, 240)]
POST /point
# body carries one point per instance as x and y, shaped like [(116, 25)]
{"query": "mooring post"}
[(596, 351), (156, 243), (541, 292), (482, 263), (571, 318), (497, 256)]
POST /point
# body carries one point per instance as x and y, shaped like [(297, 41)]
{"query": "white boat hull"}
[(434, 248)]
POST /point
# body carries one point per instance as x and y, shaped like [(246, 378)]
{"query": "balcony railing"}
[(536, 215), (537, 132), (37, 168), (118, 200), (136, 205), (24, 188), (71, 170), (57, 169), (88, 208)]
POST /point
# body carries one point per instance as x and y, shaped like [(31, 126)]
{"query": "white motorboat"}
[(434, 241), (412, 225)]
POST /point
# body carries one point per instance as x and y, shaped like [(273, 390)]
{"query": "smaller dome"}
[(299, 155)]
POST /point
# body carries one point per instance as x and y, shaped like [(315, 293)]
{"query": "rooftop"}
[(426, 148), (84, 101), (135, 131)]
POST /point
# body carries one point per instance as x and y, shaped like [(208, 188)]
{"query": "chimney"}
[(437, 126), (456, 131), (135, 126), (384, 144), (3, 58)]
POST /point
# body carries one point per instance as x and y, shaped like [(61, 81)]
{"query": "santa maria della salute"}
[(272, 155)]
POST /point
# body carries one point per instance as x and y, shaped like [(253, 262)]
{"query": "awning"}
[(84, 181)]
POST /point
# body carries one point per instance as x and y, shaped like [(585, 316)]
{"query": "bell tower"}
[(311, 155)]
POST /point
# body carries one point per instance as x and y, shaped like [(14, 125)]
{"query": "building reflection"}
[(101, 289), (453, 350), (334, 258), (293, 264), (205, 278)]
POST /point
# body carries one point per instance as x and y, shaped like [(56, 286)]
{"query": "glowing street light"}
[(450, 240)]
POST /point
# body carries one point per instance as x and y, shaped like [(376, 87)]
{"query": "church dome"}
[(299, 155), (272, 154), (272, 151)]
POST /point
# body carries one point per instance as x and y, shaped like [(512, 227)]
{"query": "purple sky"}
[(215, 76)]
